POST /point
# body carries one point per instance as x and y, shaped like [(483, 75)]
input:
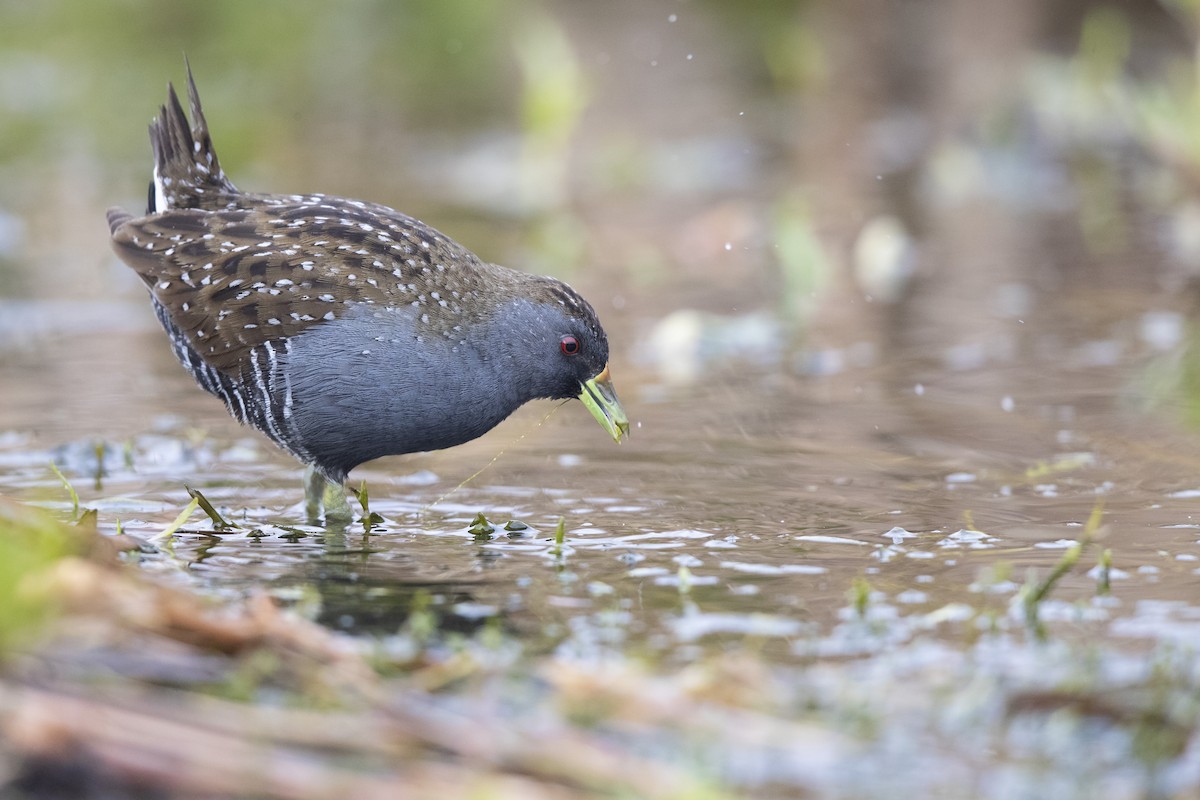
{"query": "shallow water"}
[(745, 505)]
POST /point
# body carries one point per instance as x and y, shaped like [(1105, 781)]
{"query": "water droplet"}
[(672, 17)]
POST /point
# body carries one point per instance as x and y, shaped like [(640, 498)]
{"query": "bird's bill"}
[(601, 399)]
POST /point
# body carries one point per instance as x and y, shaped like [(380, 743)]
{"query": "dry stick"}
[(228, 748), (147, 746)]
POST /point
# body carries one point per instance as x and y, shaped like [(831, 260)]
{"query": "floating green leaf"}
[(178, 522), (369, 518), (219, 522), (480, 527)]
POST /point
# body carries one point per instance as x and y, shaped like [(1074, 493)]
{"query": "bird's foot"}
[(324, 495)]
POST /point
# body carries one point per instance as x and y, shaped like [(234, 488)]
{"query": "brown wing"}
[(236, 278)]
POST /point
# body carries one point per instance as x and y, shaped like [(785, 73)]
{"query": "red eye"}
[(570, 346)]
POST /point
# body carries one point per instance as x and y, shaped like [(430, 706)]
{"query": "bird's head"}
[(554, 336)]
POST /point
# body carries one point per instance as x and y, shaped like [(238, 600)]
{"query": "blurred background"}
[(808, 188)]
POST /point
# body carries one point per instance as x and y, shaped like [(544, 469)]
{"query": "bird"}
[(342, 329)]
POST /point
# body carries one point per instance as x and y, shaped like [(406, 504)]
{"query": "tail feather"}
[(187, 173), (117, 217)]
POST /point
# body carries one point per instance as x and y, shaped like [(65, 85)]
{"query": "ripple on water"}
[(696, 624), (774, 569)]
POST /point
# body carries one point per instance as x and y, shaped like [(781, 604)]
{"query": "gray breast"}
[(380, 382)]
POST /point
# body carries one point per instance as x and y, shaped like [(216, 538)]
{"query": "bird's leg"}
[(314, 489), (337, 507), (319, 494)]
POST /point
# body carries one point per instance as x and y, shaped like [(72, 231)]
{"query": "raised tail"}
[(186, 171), (116, 218)]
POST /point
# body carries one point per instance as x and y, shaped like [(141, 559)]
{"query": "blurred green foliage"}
[(480, 104), (269, 71), (554, 97), (804, 265), (781, 39), (30, 542), (1104, 46)]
